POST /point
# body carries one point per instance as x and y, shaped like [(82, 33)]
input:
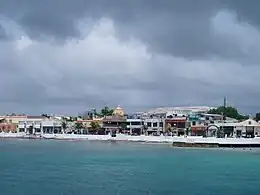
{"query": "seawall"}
[(190, 141), (195, 145)]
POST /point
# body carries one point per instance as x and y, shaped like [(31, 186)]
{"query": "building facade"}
[(196, 125), (154, 126), (176, 125), (135, 126), (40, 125), (113, 124), (10, 123)]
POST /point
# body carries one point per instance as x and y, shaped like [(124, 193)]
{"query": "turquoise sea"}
[(48, 167)]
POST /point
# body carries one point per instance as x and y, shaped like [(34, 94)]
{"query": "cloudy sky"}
[(66, 56)]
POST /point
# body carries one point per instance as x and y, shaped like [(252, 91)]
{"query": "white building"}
[(154, 125), (185, 110), (248, 128), (39, 125), (135, 125)]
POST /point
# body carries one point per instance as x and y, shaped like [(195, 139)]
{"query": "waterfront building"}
[(185, 110), (118, 111), (247, 128), (221, 129), (231, 128), (39, 125), (218, 123), (10, 123), (87, 124), (14, 119), (177, 125), (7, 127), (154, 125), (113, 124), (135, 126), (116, 122), (196, 125)]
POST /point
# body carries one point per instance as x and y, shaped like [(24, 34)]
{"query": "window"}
[(149, 124), (249, 122), (21, 122), (135, 123), (170, 116), (21, 129), (155, 124), (193, 123), (161, 124)]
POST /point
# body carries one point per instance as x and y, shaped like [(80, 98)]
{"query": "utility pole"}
[(223, 115)]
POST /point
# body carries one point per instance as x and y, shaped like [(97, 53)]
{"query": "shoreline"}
[(189, 141)]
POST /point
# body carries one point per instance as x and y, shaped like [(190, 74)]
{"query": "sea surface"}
[(49, 167)]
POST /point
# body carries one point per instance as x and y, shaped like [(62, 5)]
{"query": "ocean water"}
[(48, 167)]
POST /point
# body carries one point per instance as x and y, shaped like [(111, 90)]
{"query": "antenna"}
[(225, 102)]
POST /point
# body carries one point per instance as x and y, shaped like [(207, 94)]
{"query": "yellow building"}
[(13, 119), (119, 111), (87, 123)]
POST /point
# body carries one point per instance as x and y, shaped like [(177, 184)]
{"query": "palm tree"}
[(122, 126), (95, 126), (78, 126), (220, 132), (169, 129), (64, 126)]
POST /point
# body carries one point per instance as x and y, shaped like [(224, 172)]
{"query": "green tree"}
[(78, 126), (106, 111), (72, 118), (220, 133), (123, 126), (228, 112), (64, 126), (94, 125)]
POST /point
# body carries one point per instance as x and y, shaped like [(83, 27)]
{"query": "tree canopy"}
[(64, 125), (228, 112), (106, 111), (79, 125), (123, 125), (94, 125)]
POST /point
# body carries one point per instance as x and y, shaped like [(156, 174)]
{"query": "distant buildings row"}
[(169, 121)]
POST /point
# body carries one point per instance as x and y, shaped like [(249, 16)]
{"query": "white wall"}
[(38, 122), (152, 121), (134, 126)]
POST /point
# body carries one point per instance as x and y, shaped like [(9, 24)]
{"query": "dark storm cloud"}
[(171, 62), (246, 11), (177, 27), (3, 35)]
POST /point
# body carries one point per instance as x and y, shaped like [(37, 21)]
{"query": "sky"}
[(68, 56)]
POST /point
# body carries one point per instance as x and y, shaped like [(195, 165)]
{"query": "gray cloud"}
[(67, 56), (2, 33)]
